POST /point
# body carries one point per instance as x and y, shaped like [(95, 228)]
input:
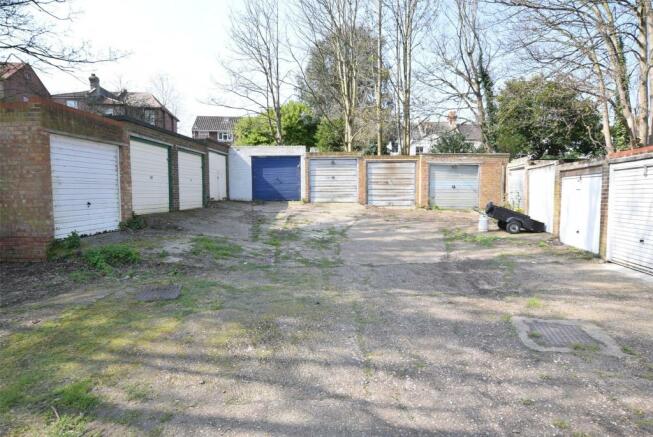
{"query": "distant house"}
[(138, 105), (218, 128), (19, 82), (425, 134)]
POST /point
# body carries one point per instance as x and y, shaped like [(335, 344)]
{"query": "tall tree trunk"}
[(643, 92), (379, 73)]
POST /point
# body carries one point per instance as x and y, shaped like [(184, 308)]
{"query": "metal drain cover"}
[(564, 336)]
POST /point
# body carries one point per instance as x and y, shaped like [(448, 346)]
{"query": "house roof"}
[(101, 96), (215, 123), (7, 69), (471, 131)]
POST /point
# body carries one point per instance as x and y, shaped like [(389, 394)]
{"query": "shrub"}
[(113, 255), (134, 223), (63, 247)]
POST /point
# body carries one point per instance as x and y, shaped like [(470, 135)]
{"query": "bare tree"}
[(596, 41), (255, 71), (411, 18), (459, 68), (332, 30), (162, 87), (28, 33), (379, 77)]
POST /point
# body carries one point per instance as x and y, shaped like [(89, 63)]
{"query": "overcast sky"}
[(180, 39)]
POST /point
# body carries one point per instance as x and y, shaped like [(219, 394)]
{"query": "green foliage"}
[(68, 426), (254, 131), (330, 135), (64, 247), (452, 142), (297, 127), (489, 101), (104, 258), (135, 223), (542, 117)]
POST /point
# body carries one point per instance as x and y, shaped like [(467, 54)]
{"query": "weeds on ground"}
[(482, 239), (628, 350), (105, 258), (64, 247), (534, 303), (219, 248), (135, 223), (561, 424), (68, 426)]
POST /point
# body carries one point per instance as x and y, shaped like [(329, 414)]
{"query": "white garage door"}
[(391, 183), (580, 211), (85, 186), (541, 184), (150, 181), (333, 180), (453, 186), (190, 180), (630, 212), (217, 176), (516, 188)]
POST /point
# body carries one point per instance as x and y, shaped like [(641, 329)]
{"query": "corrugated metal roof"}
[(215, 123)]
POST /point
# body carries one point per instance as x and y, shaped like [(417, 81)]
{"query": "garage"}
[(516, 187), (630, 215), (453, 186), (276, 178), (580, 211), (190, 180), (391, 183), (150, 176), (217, 176), (85, 186), (541, 192), (333, 180)]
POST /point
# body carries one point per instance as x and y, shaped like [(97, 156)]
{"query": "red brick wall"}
[(23, 83), (26, 222)]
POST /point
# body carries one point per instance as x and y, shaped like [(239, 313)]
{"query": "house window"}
[(225, 136), (419, 150), (71, 103), (25, 99), (150, 116), (108, 111)]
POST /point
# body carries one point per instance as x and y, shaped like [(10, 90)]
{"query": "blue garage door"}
[(276, 178)]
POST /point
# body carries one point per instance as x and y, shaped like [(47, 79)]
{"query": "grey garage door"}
[(453, 186), (391, 183), (333, 180)]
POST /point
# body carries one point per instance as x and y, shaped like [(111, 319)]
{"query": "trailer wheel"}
[(513, 227), (502, 225)]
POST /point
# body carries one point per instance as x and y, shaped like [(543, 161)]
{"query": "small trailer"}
[(512, 221)]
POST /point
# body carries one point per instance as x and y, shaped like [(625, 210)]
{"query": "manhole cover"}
[(159, 292), (564, 336)]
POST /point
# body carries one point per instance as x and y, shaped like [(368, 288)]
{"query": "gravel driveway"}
[(345, 320)]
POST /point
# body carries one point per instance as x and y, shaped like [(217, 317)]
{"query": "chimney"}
[(453, 119), (94, 81)]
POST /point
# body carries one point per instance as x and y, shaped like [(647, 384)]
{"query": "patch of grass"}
[(543, 244), (219, 248), (534, 303), (579, 434), (628, 350), (482, 239), (77, 396), (105, 258), (534, 335), (506, 318), (561, 424), (138, 392), (81, 276), (645, 423), (580, 347), (67, 426), (277, 236), (527, 402), (135, 223), (163, 253), (166, 417)]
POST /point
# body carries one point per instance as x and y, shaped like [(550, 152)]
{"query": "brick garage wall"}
[(176, 142), (492, 170), (577, 169), (26, 221)]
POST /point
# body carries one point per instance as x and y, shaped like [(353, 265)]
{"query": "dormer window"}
[(225, 136)]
